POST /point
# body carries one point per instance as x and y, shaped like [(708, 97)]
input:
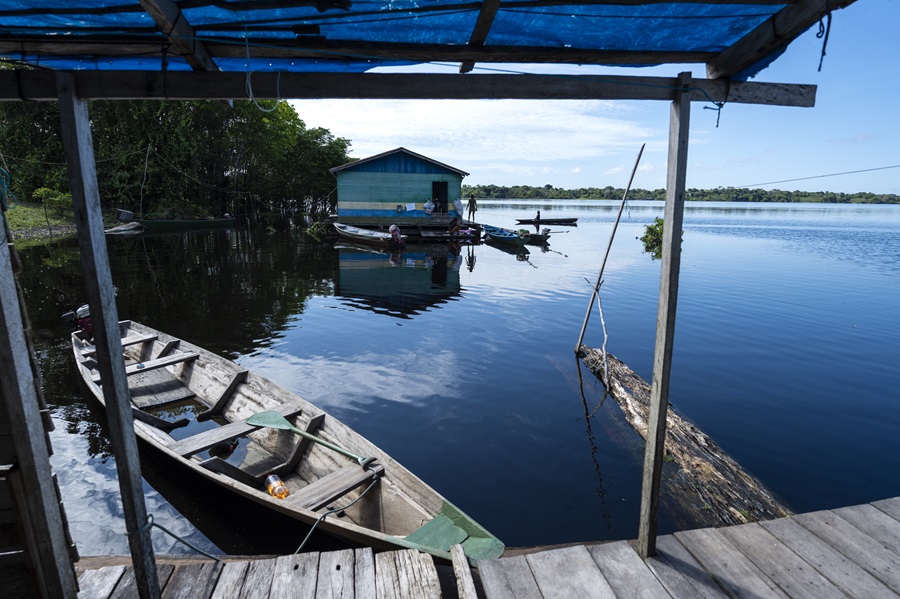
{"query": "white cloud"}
[(491, 139)]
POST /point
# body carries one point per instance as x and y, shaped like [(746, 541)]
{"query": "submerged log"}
[(708, 484)]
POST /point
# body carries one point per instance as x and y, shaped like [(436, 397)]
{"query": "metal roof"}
[(734, 39), (361, 164)]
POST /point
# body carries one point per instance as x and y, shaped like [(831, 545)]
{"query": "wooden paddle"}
[(276, 420)]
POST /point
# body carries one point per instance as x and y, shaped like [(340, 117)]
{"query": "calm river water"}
[(461, 366)]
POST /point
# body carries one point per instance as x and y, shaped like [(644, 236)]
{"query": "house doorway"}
[(439, 193)]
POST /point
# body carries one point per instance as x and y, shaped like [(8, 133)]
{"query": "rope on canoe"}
[(150, 523), (335, 510)]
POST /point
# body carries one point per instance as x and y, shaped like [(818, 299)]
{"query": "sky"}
[(855, 125)]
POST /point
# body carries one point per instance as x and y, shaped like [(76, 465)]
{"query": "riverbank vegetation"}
[(179, 159), (720, 194)]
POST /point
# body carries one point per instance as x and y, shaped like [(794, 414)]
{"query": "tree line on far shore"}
[(172, 159), (720, 194)]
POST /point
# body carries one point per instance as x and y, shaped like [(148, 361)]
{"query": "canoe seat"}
[(157, 363), (333, 486), (90, 350), (255, 474), (202, 441)]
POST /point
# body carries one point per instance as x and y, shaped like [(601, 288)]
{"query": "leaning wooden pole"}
[(79, 148), (612, 236), (680, 118)]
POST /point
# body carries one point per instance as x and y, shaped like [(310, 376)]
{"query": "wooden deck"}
[(847, 552), (349, 573)]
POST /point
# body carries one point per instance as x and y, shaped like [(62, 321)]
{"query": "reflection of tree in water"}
[(242, 285), (80, 420)]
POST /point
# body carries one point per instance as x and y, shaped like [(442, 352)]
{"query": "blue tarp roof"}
[(358, 35)]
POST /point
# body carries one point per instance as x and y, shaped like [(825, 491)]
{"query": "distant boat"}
[(547, 221), (366, 235), (164, 225)]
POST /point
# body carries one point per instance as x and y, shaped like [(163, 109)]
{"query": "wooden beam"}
[(482, 29), (772, 36), (180, 34), (40, 516), (100, 293), (133, 85), (673, 217), (338, 50)]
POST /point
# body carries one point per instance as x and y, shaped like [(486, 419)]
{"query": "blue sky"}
[(855, 125)]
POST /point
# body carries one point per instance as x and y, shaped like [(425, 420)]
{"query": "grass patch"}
[(24, 216)]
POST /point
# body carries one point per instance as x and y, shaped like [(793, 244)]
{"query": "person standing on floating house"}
[(472, 207)]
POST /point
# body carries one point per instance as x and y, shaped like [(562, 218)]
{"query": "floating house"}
[(398, 187)]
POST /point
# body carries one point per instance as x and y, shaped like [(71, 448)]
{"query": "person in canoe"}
[(538, 217)]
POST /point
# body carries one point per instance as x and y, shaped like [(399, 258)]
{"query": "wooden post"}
[(78, 144), (39, 513), (679, 125)]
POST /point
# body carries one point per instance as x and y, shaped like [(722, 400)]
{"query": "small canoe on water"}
[(366, 235), (324, 463), (547, 221), (505, 236)]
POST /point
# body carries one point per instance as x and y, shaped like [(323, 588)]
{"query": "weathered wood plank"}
[(157, 388), (197, 443), (217, 408), (875, 523), (333, 486), (568, 572), (508, 578), (789, 571), (625, 572), (364, 573), (680, 573), (89, 350), (259, 579), (127, 587), (856, 545), (891, 507), (406, 573), (654, 452), (465, 585), (336, 575), (153, 364), (728, 566), (231, 580), (173, 85), (100, 295), (835, 566), (99, 582), (191, 581), (295, 576)]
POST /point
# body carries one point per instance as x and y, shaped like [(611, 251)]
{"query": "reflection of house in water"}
[(401, 284)]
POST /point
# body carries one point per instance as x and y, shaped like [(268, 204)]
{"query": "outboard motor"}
[(80, 319)]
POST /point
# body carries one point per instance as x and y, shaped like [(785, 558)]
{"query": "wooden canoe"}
[(505, 236), (547, 221), (366, 235), (396, 510)]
